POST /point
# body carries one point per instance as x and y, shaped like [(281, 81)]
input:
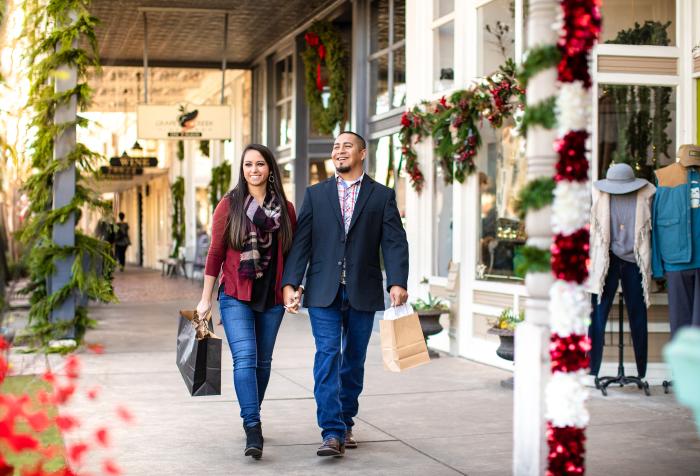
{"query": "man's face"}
[(347, 154)]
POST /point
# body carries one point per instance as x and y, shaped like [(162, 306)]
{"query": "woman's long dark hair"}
[(236, 215)]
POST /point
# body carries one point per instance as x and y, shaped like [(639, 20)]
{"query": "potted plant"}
[(429, 312), (504, 328)]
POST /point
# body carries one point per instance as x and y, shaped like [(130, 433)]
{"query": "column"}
[(63, 234), (532, 336)]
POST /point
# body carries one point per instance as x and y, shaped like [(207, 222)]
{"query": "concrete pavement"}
[(449, 417)]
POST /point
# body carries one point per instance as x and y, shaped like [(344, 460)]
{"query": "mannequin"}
[(620, 252), (676, 236)]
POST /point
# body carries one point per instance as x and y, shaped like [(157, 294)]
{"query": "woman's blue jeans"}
[(251, 336)]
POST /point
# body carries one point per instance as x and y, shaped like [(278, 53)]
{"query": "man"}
[(122, 241), (342, 224)]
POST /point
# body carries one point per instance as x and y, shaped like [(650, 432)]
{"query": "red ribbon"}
[(313, 40)]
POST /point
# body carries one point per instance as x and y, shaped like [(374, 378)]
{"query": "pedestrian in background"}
[(343, 223), (252, 232), (121, 241)]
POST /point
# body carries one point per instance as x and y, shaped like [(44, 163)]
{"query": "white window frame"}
[(287, 56)]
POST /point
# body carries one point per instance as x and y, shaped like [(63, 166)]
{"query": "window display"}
[(503, 170)]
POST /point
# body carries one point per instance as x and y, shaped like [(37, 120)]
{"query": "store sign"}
[(183, 121), (119, 173), (128, 161)]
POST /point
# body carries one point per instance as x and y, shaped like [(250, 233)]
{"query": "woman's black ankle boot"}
[(254, 441)]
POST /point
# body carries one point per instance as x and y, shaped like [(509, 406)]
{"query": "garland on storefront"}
[(412, 124), (220, 182), (204, 147), (537, 194), (324, 46), (454, 124), (180, 150), (532, 259), (569, 307), (51, 33), (177, 190)]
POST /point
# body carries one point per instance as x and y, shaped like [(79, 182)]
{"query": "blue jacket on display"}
[(672, 226)]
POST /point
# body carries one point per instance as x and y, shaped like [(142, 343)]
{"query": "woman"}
[(251, 235)]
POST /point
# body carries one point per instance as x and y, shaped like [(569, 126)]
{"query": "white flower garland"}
[(571, 207), (573, 107), (566, 398), (570, 308)]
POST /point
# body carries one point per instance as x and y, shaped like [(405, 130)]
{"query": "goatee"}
[(343, 169)]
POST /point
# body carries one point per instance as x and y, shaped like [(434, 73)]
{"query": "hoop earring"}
[(271, 178)]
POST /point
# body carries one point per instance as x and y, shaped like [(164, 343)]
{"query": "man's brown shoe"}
[(331, 447), (350, 441)]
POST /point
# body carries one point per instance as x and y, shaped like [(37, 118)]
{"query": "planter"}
[(430, 325), (506, 350)]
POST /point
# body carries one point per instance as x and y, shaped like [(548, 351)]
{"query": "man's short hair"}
[(121, 215), (363, 142)]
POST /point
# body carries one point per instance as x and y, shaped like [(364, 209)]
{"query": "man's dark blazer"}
[(321, 243)]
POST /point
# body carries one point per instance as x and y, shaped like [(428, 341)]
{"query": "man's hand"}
[(291, 298), (398, 295)]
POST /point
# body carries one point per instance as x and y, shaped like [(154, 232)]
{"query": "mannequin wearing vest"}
[(676, 236), (620, 253)]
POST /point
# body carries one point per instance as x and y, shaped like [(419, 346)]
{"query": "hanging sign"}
[(128, 161), (184, 121), (119, 173)]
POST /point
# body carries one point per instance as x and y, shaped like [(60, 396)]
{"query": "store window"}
[(283, 101), (639, 22), (385, 166), (387, 58), (442, 223), (502, 174), (496, 21), (636, 125), (287, 172), (320, 169), (443, 44)]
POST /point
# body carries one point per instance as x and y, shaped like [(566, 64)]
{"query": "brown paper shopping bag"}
[(403, 345)]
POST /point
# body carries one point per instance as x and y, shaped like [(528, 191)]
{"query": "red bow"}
[(314, 41)]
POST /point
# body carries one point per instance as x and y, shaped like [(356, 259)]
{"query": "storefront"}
[(645, 90)]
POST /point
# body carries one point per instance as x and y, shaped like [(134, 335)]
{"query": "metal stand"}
[(667, 385), (621, 379)]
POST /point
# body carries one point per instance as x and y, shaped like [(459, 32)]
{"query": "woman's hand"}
[(203, 307)]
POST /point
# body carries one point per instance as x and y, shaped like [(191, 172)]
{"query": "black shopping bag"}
[(198, 356)]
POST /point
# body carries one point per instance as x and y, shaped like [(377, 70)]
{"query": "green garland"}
[(533, 260), (180, 150), (204, 147), (538, 59), (51, 33), (220, 183), (495, 98), (540, 114), (177, 189), (537, 194), (324, 45)]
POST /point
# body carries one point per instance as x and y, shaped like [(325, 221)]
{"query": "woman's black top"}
[(262, 296)]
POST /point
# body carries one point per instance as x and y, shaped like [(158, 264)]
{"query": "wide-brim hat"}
[(689, 155), (619, 180)]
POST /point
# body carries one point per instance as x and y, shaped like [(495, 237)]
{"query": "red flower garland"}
[(412, 124), (581, 26), (566, 449), (572, 164), (569, 354)]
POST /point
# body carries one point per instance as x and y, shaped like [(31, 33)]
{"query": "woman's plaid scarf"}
[(262, 222)]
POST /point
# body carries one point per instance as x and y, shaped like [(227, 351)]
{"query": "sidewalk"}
[(448, 417)]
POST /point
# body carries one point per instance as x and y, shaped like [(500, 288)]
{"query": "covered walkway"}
[(449, 417)]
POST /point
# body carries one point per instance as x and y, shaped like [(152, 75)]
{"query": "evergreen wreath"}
[(325, 46), (51, 33)]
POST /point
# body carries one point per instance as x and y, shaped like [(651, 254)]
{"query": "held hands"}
[(291, 298), (398, 295)]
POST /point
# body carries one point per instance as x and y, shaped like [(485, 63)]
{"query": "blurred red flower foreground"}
[(23, 421)]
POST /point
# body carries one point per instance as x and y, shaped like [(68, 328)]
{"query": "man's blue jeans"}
[(342, 335), (251, 336)]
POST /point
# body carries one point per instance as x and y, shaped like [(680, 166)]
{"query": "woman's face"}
[(255, 169)]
